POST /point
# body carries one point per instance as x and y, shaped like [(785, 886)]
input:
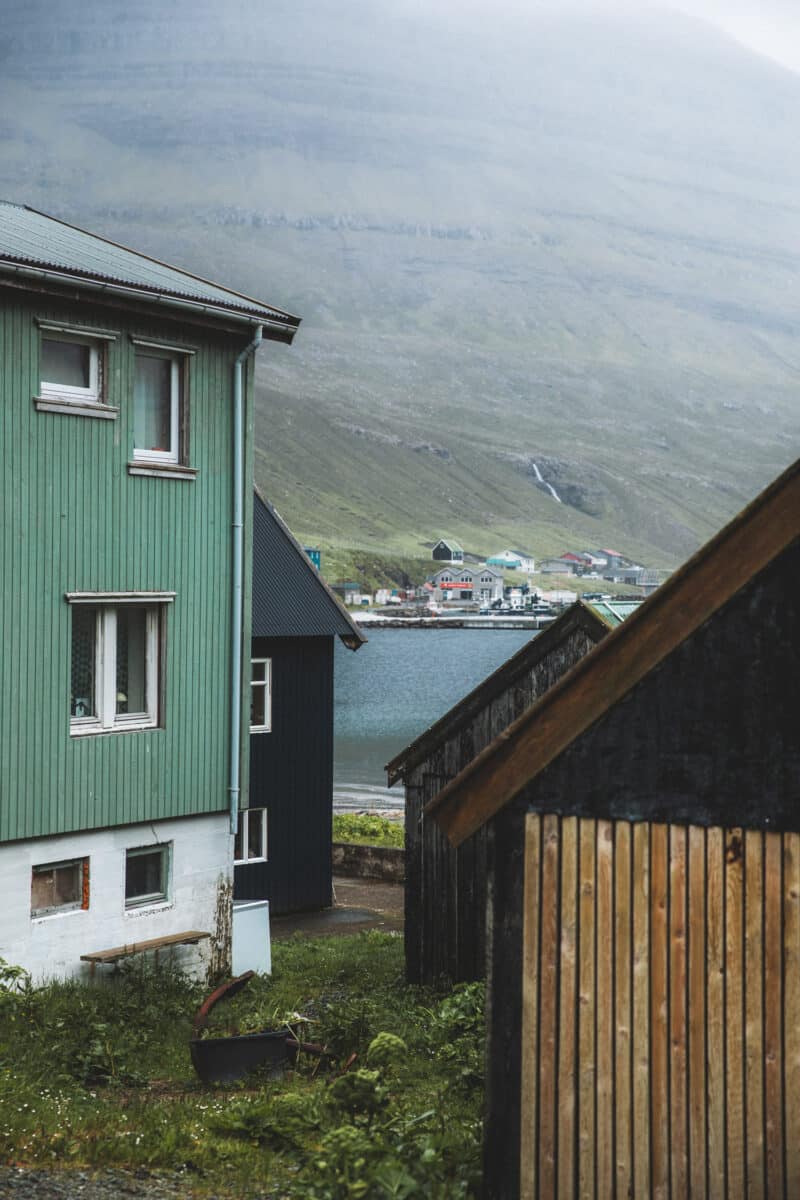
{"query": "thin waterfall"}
[(549, 486)]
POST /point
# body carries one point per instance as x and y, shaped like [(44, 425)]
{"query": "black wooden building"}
[(283, 848), (445, 893), (643, 824)]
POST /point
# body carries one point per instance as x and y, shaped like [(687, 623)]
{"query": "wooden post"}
[(791, 1007), (548, 1006), (568, 1007), (773, 1013), (754, 1012), (623, 1015), (659, 1016), (605, 1015), (587, 1079), (641, 1010), (715, 973), (679, 1126), (697, 933), (529, 1123), (734, 1011)]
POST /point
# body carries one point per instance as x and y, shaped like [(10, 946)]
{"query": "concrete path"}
[(358, 904)]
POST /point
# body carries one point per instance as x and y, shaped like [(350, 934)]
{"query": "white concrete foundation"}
[(199, 896)]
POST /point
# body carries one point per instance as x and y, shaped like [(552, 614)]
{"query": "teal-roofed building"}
[(613, 612), (127, 435), (513, 560)]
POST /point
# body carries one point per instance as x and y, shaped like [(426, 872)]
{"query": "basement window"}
[(147, 875), (261, 695), (115, 664), (251, 836), (59, 887)]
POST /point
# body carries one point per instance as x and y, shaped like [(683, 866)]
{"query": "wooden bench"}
[(190, 938)]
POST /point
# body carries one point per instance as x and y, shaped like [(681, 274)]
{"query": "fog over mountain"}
[(562, 237)]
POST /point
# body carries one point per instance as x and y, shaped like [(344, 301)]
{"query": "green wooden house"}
[(126, 394)]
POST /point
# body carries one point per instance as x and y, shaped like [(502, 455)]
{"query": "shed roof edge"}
[(578, 614)]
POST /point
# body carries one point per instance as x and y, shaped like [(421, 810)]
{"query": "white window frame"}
[(243, 832), (91, 395), (70, 906), (266, 684), (150, 898), (107, 719), (175, 358)]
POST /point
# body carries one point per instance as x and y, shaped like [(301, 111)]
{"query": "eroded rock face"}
[(574, 484)]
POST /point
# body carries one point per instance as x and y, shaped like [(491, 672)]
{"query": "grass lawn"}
[(99, 1076)]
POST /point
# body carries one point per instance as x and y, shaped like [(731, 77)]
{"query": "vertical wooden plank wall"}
[(661, 1012), (73, 519)]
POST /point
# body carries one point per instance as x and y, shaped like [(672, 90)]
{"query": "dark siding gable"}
[(712, 735), (290, 598)]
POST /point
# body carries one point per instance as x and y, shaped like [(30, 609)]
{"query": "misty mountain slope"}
[(570, 241)]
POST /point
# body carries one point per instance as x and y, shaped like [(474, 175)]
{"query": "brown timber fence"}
[(660, 1011)]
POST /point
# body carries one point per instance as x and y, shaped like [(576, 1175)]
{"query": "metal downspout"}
[(237, 529)]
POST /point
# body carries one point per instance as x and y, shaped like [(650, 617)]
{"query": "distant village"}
[(465, 580)]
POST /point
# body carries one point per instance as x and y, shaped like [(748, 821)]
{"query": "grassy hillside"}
[(564, 240)]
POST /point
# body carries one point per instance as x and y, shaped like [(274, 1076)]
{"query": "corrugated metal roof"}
[(33, 239), (290, 597)]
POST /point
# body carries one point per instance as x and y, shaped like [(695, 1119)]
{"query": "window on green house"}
[(115, 668), (147, 875), (157, 403), (71, 369)]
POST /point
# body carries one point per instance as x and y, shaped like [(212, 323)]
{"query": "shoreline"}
[(526, 621)]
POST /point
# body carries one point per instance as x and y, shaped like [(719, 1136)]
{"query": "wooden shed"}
[(644, 893), (445, 893)]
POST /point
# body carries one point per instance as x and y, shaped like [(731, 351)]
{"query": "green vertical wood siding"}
[(73, 519)]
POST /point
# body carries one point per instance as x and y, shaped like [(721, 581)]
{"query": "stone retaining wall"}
[(369, 862)]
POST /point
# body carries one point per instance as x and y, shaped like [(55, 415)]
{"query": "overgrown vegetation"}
[(368, 830), (100, 1076), (373, 570)]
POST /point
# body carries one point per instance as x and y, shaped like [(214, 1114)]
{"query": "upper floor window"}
[(115, 663), (157, 407), (70, 368), (261, 695), (73, 371)]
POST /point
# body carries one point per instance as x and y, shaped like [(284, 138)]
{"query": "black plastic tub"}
[(226, 1059)]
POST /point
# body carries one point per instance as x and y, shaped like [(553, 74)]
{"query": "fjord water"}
[(390, 691)]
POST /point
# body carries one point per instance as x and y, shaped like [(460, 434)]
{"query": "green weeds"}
[(100, 1076), (368, 830)]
